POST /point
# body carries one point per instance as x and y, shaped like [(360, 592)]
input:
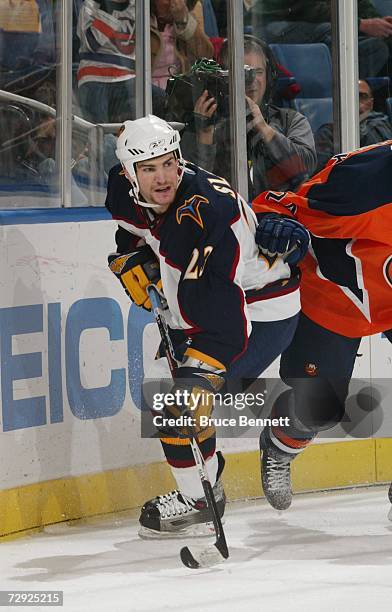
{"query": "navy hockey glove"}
[(190, 402), (282, 236), (136, 271)]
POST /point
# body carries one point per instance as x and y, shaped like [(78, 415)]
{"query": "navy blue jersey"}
[(213, 277)]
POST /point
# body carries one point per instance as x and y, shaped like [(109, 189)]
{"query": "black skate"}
[(175, 515), (275, 473), (390, 499)]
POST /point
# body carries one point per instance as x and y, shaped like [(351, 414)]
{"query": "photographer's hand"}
[(205, 107), (256, 120)]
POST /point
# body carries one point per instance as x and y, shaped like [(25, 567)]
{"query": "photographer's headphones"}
[(252, 43)]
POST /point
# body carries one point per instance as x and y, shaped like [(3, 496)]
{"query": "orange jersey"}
[(346, 285)]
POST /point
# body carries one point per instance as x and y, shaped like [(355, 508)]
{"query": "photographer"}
[(280, 144)]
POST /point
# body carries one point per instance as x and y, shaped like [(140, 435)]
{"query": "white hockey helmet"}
[(143, 139)]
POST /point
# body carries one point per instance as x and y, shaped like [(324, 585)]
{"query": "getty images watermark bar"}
[(31, 598), (242, 410)]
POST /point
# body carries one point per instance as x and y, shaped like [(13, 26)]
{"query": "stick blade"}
[(203, 556)]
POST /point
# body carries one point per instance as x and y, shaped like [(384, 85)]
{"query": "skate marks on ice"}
[(327, 552), (343, 527), (113, 553), (346, 528)]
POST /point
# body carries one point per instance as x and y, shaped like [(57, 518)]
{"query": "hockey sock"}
[(188, 479), (293, 437), (179, 456)]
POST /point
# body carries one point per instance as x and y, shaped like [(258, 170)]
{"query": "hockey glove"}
[(191, 402), (282, 236), (136, 271)]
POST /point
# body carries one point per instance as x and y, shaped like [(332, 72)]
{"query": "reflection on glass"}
[(103, 90), (178, 41), (374, 126), (93, 154), (280, 144), (28, 174), (301, 36), (308, 22), (106, 69)]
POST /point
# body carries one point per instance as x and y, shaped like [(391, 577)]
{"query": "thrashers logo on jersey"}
[(117, 265), (190, 208)]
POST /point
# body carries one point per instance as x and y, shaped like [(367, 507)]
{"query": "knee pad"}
[(317, 404), (312, 405)]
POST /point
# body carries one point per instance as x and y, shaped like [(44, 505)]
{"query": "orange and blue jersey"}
[(346, 282)]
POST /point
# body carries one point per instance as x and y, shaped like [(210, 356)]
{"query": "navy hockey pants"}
[(318, 366), (267, 341)]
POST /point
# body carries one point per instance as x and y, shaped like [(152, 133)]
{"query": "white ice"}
[(329, 551)]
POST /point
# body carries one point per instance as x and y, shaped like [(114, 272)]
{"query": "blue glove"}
[(282, 236)]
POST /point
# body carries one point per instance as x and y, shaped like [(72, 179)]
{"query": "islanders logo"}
[(190, 208), (311, 369), (387, 270)]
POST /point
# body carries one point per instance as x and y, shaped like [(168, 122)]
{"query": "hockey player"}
[(346, 293), (191, 234)]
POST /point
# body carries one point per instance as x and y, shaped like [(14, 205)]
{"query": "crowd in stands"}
[(284, 146)]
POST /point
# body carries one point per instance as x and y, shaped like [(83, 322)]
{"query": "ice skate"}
[(175, 515), (390, 499), (275, 473)]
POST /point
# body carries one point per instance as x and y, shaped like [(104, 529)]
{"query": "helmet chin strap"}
[(140, 202), (134, 192)]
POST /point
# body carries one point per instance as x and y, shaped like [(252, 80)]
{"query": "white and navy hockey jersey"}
[(107, 42), (213, 276)]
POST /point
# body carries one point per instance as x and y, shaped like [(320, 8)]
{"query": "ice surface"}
[(329, 551)]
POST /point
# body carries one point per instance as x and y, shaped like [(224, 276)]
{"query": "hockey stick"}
[(207, 555)]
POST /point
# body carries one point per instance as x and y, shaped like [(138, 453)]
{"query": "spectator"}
[(373, 127), (26, 34), (309, 21), (27, 44), (280, 142), (14, 144), (220, 10), (106, 83), (177, 37), (106, 29)]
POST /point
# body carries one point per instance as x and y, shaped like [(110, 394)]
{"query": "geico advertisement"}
[(75, 356), (72, 349)]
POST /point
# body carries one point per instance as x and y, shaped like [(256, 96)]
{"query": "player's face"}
[(256, 90), (157, 180)]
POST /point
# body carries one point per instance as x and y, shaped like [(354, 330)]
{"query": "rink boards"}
[(72, 357)]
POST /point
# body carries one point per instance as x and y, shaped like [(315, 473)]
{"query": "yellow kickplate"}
[(321, 466), (384, 459)]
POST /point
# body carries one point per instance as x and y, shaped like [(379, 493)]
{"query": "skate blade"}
[(201, 530)]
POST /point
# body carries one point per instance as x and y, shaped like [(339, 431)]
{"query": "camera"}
[(183, 90)]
